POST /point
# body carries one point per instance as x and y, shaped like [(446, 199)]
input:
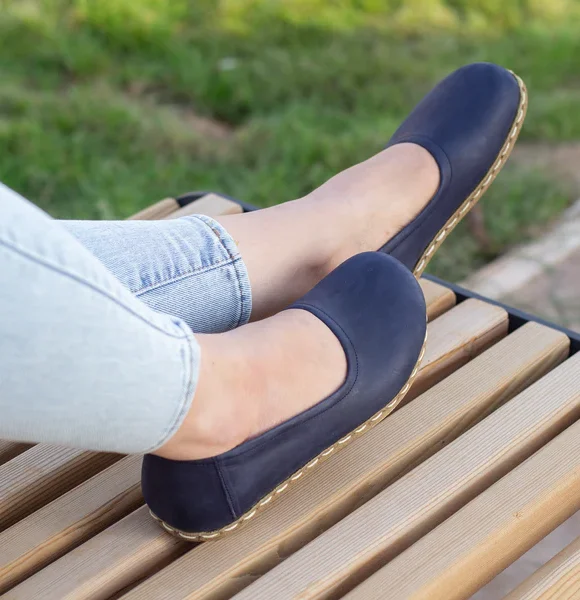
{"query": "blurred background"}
[(107, 106)]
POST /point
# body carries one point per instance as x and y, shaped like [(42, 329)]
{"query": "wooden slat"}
[(558, 579), (399, 516), (211, 205), (8, 450), (439, 299), (69, 520), (102, 565), (406, 438), (490, 533), (458, 336), (126, 564), (159, 210), (40, 475)]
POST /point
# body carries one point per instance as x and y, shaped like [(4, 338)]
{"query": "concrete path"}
[(542, 277), (555, 295)]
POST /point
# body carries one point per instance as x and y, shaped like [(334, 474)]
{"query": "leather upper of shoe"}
[(463, 122), (376, 309)]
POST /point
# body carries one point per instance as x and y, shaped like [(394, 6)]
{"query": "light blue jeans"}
[(97, 348)]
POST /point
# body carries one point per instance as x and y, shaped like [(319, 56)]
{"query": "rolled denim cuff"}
[(241, 293), (189, 267)]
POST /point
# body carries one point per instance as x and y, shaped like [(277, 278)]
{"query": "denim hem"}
[(189, 268), (190, 356), (241, 271)]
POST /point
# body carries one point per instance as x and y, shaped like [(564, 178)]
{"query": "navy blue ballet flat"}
[(469, 123), (376, 309)]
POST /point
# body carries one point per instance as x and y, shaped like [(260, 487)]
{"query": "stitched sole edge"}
[(488, 179), (277, 491)]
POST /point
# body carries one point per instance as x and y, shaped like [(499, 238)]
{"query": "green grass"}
[(99, 98)]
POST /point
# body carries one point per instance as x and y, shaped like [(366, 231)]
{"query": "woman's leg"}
[(248, 381), (82, 362), (286, 249), (121, 393), (86, 364)]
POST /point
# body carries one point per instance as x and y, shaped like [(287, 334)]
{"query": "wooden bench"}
[(480, 463)]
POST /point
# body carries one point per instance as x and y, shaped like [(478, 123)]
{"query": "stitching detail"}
[(342, 442), (186, 274), (218, 234), (245, 302), (227, 491), (207, 223), (487, 180), (236, 260)]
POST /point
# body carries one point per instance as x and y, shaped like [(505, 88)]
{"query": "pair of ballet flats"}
[(374, 306)]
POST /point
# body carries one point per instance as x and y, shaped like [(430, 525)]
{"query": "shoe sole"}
[(282, 487), (487, 180)]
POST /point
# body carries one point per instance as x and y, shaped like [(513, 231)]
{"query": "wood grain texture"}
[(41, 474), (124, 566), (439, 299), (558, 579), (159, 210), (123, 553), (491, 532), (69, 520), (401, 515), (409, 436), (8, 450), (456, 337), (211, 205)]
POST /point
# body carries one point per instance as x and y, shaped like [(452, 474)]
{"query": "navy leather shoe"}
[(376, 309), (469, 123)]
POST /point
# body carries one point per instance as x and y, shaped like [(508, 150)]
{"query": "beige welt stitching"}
[(482, 187), (372, 422)]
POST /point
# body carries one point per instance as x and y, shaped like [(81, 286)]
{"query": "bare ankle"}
[(254, 378), (372, 201), (220, 417)]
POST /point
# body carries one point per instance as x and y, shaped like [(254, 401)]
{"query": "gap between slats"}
[(40, 475), (9, 450), (558, 579), (70, 520), (406, 511), (491, 532)]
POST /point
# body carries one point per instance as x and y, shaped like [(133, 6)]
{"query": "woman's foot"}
[(255, 377), (276, 398), (403, 201)]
